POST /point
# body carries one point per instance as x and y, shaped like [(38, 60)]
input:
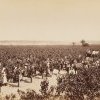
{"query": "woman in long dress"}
[(4, 76)]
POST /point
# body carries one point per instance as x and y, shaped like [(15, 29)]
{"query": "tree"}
[(84, 43), (73, 43)]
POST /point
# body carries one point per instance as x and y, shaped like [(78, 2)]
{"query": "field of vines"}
[(85, 83)]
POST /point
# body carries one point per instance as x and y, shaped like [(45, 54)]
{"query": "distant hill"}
[(34, 43), (42, 42)]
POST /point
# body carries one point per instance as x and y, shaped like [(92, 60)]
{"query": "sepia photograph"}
[(49, 49)]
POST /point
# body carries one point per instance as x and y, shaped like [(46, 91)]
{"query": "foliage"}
[(85, 83), (84, 43)]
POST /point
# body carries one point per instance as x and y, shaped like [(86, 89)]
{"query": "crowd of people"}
[(75, 68), (14, 67)]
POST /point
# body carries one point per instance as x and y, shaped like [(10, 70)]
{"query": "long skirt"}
[(4, 79)]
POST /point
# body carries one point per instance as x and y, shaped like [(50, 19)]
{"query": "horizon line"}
[(40, 42)]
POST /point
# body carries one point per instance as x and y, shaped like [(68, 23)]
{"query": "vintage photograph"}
[(49, 49)]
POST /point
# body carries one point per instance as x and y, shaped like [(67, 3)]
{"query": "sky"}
[(50, 20)]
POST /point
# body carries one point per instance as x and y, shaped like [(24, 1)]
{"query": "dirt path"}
[(24, 85)]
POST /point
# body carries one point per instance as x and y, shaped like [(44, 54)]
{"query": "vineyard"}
[(83, 85)]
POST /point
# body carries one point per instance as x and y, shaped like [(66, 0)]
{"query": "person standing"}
[(4, 76)]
